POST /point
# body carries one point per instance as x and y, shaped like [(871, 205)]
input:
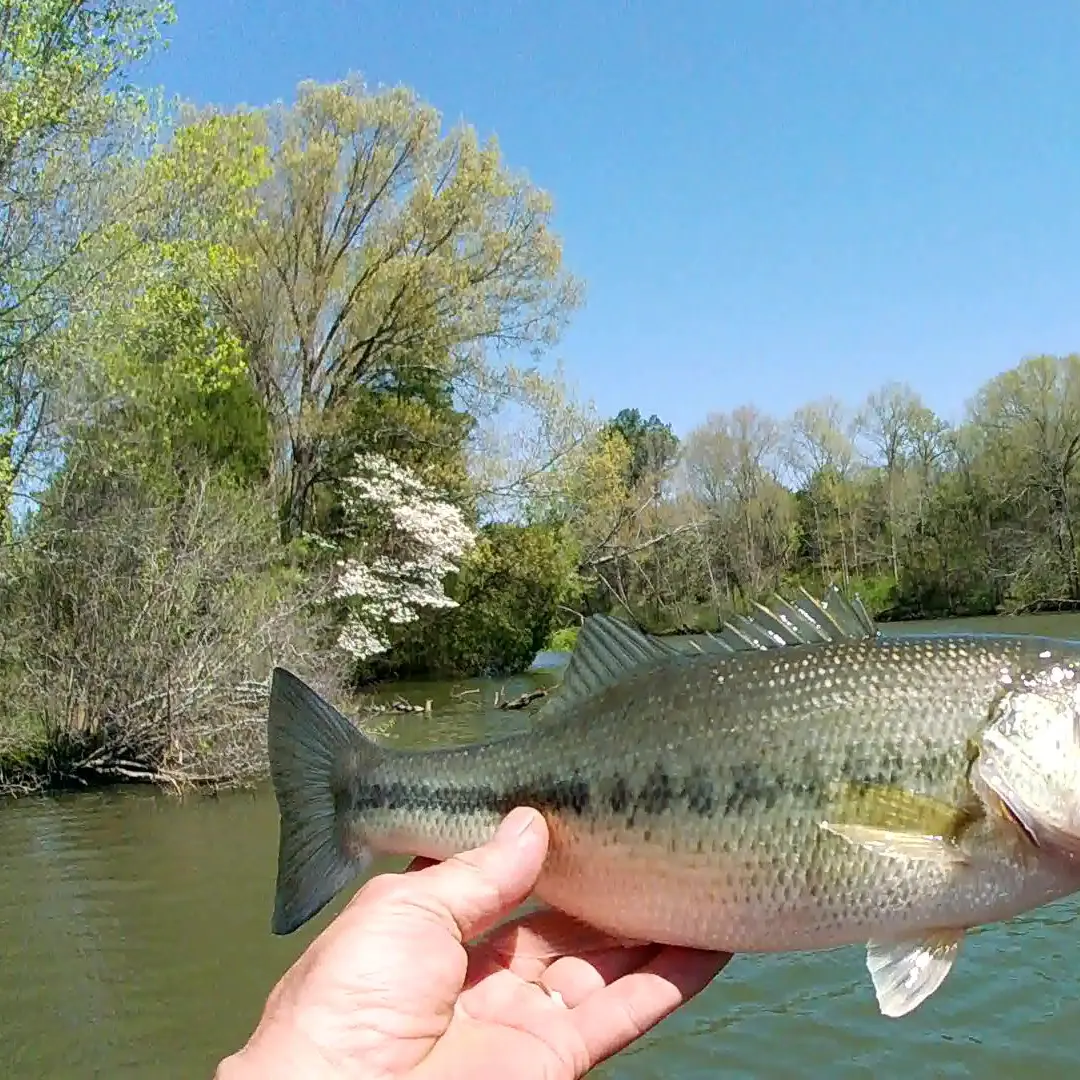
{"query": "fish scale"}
[(757, 796)]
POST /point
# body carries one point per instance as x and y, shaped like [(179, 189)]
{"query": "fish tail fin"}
[(308, 742)]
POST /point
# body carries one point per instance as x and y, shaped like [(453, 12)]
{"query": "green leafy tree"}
[(379, 238), (653, 445), (69, 121), (509, 592)]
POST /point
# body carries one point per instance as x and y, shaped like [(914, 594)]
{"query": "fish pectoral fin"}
[(898, 845), (906, 973), (884, 806)]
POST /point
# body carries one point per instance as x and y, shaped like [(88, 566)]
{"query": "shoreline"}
[(35, 766)]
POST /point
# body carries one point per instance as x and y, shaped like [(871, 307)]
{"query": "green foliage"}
[(62, 63), (563, 639), (175, 388), (509, 590), (878, 593), (653, 445), (70, 123)]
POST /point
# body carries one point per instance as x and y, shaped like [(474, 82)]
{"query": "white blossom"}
[(423, 539)]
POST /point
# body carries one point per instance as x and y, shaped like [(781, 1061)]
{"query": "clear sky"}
[(768, 201)]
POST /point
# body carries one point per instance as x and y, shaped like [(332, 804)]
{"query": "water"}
[(135, 943)]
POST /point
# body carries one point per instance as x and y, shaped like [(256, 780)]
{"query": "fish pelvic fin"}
[(308, 742), (906, 973)]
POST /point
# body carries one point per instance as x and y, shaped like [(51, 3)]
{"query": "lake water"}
[(134, 937)]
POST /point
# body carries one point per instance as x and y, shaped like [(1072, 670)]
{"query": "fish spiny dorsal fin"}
[(607, 650), (849, 618), (803, 620)]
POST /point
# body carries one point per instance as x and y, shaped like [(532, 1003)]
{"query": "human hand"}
[(391, 989)]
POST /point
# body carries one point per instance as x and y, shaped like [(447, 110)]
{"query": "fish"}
[(796, 782)]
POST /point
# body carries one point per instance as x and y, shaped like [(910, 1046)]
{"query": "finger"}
[(577, 978), (614, 1017), (473, 890), (547, 935)]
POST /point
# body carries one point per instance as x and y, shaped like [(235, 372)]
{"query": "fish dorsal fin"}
[(607, 650), (803, 620)]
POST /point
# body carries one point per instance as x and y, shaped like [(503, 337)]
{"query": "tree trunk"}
[(294, 512)]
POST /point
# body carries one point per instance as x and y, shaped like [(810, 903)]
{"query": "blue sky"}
[(768, 202)]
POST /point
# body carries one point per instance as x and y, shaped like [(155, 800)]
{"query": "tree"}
[(653, 445), (68, 120), (1029, 421), (732, 464), (508, 595), (821, 454), (531, 441), (412, 540), (378, 239), (884, 421)]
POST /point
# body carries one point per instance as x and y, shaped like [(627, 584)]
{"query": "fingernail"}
[(517, 823)]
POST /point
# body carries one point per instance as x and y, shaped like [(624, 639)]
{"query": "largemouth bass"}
[(800, 783)]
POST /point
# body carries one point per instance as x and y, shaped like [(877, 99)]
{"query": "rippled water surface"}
[(135, 943)]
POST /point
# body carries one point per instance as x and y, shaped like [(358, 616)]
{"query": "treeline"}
[(259, 405), (920, 517)]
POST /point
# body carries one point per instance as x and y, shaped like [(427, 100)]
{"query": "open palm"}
[(391, 989)]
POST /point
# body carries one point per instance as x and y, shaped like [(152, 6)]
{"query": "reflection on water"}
[(134, 932)]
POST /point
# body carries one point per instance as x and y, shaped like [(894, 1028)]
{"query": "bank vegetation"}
[(277, 387)]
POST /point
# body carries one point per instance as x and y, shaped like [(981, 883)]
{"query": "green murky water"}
[(134, 942)]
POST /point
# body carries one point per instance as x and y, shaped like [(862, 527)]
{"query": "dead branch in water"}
[(522, 700), (399, 704)]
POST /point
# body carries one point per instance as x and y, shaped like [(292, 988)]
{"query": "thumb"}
[(477, 888)]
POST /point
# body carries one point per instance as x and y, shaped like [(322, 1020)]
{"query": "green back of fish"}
[(738, 745), (762, 734)]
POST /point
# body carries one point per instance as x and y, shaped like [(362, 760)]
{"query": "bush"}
[(143, 624), (563, 640), (509, 591)]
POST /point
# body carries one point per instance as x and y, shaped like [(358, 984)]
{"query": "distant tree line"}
[(922, 518)]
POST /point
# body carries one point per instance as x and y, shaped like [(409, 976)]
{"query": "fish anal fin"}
[(906, 973)]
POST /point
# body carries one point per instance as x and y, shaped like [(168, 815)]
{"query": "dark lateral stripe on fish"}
[(744, 788)]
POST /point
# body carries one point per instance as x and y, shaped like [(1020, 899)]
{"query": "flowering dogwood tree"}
[(410, 540)]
